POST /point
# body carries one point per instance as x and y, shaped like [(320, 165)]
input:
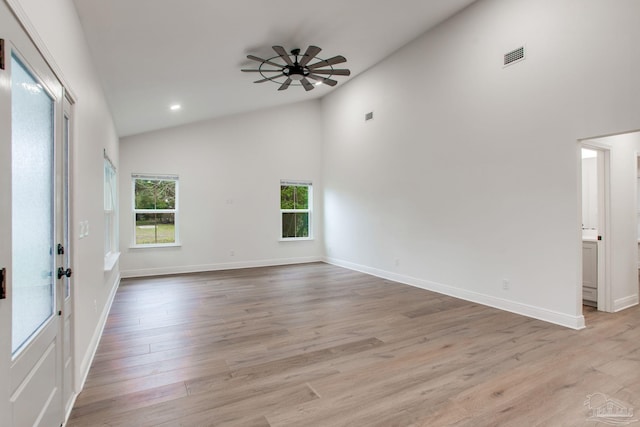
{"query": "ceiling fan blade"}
[(326, 81), (261, 71), (283, 54), (266, 61), (311, 53), (285, 85), (326, 62), (337, 72), (307, 85), (268, 78)]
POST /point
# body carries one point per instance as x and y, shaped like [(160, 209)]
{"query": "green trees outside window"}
[(295, 201), (155, 211)]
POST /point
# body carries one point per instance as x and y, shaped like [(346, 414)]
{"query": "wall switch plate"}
[(84, 229)]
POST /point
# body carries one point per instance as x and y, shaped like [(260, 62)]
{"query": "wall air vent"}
[(514, 56)]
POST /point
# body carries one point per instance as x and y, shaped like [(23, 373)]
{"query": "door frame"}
[(67, 305), (605, 300)]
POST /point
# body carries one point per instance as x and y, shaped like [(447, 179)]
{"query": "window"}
[(155, 210), (295, 207), (110, 213)]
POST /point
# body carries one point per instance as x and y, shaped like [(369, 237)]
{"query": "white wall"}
[(623, 239), (468, 173), (230, 171), (56, 24)]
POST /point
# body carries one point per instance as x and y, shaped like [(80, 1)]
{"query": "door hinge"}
[(1, 54), (3, 283)]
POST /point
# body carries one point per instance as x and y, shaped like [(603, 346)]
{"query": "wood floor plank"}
[(318, 345), (100, 411)]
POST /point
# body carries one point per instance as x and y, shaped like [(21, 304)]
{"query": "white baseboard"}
[(87, 360), (97, 334), (562, 319), (216, 267), (626, 302)]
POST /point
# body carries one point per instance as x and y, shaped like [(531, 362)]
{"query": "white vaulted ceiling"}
[(154, 53)]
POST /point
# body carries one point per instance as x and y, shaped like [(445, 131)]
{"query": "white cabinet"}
[(590, 273)]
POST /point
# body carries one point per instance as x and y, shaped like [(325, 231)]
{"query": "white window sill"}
[(159, 245), (296, 239), (110, 261)]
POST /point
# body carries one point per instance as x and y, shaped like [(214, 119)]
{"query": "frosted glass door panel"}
[(32, 205)]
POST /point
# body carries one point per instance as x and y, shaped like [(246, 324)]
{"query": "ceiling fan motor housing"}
[(295, 72)]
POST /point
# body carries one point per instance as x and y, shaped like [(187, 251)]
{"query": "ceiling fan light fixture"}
[(295, 73)]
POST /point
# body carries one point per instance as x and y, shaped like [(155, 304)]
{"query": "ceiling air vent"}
[(514, 56)]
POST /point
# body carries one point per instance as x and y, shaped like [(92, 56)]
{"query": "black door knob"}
[(62, 272)]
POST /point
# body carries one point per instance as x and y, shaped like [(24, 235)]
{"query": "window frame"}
[(308, 211), (174, 211), (111, 249)]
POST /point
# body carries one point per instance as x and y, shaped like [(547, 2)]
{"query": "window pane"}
[(109, 207), (152, 228), (154, 194), (286, 197), (301, 197), (107, 232), (295, 225), (294, 197), (32, 205)]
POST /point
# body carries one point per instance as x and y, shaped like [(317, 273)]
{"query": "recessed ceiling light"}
[(318, 83), (175, 107)]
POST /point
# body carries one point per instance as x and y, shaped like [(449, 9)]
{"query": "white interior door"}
[(605, 301), (32, 177)]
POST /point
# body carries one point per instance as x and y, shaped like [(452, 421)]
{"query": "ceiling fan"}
[(284, 69)]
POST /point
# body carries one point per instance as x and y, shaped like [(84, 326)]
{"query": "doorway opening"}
[(595, 161), (613, 240)]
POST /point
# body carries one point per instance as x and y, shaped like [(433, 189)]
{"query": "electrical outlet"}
[(95, 306), (232, 253), (397, 262), (506, 284)]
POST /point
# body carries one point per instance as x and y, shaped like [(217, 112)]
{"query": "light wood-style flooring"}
[(318, 345)]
